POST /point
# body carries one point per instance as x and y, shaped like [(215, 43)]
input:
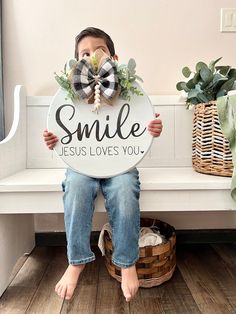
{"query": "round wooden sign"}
[(102, 144)]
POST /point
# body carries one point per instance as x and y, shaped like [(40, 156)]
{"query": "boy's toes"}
[(57, 286), (68, 296), (127, 294), (63, 292), (59, 289), (69, 291)]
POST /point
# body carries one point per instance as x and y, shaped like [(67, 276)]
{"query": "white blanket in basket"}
[(146, 237)]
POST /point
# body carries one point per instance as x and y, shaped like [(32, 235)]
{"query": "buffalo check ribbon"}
[(104, 81)]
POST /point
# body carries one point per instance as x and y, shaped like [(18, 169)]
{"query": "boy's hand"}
[(50, 139), (155, 126)]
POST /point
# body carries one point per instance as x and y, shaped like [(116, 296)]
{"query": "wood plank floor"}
[(204, 282)]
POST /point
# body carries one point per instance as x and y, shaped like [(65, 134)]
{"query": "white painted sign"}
[(102, 144)]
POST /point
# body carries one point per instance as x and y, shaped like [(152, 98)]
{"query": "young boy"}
[(121, 195)]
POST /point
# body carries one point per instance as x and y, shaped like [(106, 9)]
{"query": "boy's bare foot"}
[(129, 282), (66, 285)]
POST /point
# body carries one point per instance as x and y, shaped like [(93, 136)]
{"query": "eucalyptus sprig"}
[(64, 79), (127, 76), (207, 82)]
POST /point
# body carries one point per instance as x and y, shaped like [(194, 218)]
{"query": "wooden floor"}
[(204, 282)]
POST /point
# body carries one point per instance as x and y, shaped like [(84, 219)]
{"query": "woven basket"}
[(210, 149), (156, 264)]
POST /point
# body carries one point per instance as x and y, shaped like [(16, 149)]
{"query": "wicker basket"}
[(210, 149), (156, 264)]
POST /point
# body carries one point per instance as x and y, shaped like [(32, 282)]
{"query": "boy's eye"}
[(85, 54)]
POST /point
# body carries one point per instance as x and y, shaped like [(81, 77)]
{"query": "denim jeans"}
[(121, 195)]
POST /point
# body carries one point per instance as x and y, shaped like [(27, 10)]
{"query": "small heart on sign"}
[(142, 151)]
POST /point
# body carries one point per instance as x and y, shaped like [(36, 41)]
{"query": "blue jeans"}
[(121, 195)]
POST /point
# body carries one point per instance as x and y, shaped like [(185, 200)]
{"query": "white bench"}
[(31, 175)]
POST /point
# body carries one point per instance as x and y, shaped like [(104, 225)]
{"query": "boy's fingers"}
[(49, 138), (153, 134), (52, 141), (51, 145), (154, 129), (156, 121), (155, 126), (46, 133)]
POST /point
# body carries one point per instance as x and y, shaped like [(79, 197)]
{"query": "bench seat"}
[(162, 189)]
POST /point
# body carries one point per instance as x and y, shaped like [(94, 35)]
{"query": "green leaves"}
[(202, 98), (213, 63), (132, 66), (64, 81), (206, 75), (232, 73), (182, 86), (227, 86), (200, 65), (208, 82), (224, 70), (127, 76), (186, 72)]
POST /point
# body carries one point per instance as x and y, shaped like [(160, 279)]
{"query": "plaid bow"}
[(85, 79)]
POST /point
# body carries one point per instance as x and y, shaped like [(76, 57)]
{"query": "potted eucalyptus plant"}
[(210, 149)]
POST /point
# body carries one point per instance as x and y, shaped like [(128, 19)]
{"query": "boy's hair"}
[(97, 33)]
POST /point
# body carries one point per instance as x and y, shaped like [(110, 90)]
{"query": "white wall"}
[(163, 36)]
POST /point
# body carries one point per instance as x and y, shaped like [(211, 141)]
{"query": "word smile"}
[(96, 129)]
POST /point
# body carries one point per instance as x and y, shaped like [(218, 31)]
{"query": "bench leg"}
[(16, 238)]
